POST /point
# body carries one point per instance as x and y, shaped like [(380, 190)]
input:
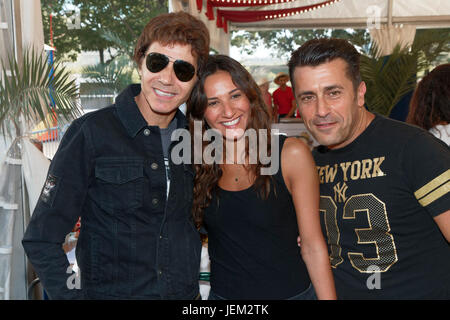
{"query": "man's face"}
[(331, 109), (163, 91), (282, 81), (264, 87)]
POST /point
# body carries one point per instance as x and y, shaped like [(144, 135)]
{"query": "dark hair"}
[(317, 51), (175, 28), (430, 104), (207, 176)]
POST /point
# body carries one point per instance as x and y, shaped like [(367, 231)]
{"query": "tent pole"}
[(25, 215), (17, 29), (390, 7)]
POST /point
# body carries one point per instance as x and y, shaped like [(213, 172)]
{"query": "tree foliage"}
[(391, 77), (108, 78), (33, 89), (285, 41), (388, 79), (103, 24), (65, 40)]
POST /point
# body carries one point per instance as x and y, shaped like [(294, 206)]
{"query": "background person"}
[(430, 105), (384, 196), (113, 170), (263, 85), (253, 220), (283, 97)]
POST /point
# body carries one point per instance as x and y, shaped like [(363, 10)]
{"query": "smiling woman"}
[(249, 213), (228, 107)]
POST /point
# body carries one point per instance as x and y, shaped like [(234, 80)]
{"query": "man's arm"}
[(293, 108), (275, 110), (56, 213), (293, 103), (427, 163)]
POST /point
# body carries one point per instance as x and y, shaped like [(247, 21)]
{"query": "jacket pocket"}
[(120, 184)]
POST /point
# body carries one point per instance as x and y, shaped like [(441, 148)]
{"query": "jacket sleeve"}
[(58, 208)]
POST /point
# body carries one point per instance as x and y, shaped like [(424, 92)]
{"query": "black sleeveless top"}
[(252, 243)]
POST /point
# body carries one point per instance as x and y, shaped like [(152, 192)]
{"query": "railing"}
[(48, 139)]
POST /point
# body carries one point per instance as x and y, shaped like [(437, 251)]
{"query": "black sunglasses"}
[(158, 61)]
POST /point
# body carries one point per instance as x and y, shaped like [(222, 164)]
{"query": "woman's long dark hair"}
[(430, 104), (208, 175)]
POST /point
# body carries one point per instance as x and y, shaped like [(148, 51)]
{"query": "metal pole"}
[(25, 215), (390, 7), (17, 29)]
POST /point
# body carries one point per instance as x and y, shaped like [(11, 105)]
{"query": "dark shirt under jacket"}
[(134, 243)]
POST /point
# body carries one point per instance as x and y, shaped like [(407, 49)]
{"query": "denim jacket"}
[(134, 242)]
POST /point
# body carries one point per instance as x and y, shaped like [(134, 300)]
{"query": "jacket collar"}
[(129, 113)]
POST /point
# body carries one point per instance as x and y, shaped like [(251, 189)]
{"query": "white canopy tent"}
[(390, 21), (220, 40)]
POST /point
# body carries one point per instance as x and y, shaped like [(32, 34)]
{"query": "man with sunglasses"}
[(112, 169)]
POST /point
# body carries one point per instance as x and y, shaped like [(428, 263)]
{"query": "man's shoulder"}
[(89, 123), (94, 117), (383, 133), (399, 138), (397, 127)]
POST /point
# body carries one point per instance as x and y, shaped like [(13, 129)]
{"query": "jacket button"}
[(154, 166), (147, 132), (154, 201)]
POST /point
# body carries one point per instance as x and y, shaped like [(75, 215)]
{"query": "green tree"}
[(287, 40), (65, 40), (102, 23), (388, 79)]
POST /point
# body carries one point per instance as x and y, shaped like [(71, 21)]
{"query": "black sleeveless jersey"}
[(379, 195), (252, 244)]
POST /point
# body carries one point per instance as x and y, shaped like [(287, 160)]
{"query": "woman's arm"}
[(443, 222), (300, 176)]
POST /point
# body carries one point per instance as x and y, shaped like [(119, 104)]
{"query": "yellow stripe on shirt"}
[(434, 189)]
